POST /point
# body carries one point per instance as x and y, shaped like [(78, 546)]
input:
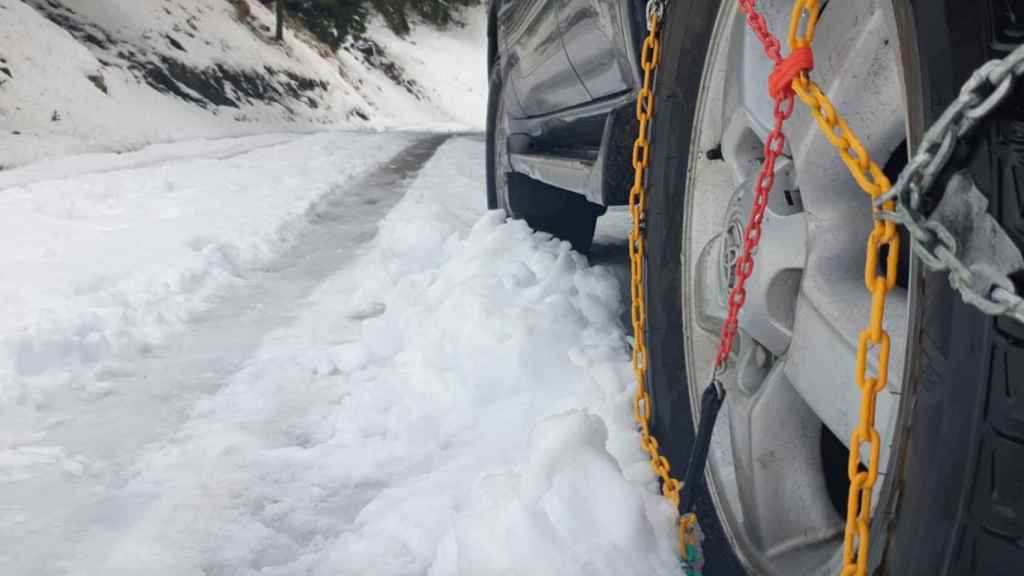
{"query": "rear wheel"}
[(564, 214), (952, 420)]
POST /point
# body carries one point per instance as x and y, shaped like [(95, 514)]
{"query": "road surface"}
[(385, 379)]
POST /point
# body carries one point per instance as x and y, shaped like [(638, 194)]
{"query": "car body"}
[(570, 74)]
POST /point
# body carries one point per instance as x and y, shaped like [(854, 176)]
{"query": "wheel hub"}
[(732, 249), (767, 315)]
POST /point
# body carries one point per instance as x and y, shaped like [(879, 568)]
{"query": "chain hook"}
[(717, 372), (719, 387), (655, 9)]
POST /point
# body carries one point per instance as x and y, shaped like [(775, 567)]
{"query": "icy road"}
[(308, 355)]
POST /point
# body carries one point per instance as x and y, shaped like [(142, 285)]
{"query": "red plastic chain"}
[(756, 22), (781, 91)]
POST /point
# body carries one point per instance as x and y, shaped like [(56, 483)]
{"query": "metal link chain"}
[(655, 13), (934, 244)]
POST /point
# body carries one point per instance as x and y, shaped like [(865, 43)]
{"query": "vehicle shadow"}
[(611, 250)]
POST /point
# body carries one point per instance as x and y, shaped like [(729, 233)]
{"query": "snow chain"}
[(881, 265), (689, 533), (984, 284), (934, 244), (993, 293)]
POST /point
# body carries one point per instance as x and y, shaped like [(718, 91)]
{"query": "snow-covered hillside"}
[(108, 75)]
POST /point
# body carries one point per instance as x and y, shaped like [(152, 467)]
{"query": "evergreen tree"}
[(394, 13), (280, 20), (440, 13), (334, 21)]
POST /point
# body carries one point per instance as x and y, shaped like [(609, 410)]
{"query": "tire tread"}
[(992, 537)]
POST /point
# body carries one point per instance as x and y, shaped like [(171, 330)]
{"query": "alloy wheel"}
[(778, 463)]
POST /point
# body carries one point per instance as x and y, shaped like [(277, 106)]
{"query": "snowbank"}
[(108, 75), (455, 401)]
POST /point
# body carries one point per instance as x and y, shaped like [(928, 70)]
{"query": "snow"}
[(237, 340), (452, 396), (450, 68), (50, 104), (106, 264)]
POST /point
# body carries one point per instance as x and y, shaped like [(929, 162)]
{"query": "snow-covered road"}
[(312, 355)]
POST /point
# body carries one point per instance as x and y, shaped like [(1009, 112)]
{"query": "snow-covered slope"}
[(108, 75)]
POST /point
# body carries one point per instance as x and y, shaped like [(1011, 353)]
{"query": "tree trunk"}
[(280, 20)]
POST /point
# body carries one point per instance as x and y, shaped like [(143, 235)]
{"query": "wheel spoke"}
[(775, 444), (830, 314), (768, 314), (743, 144), (852, 58), (748, 72)]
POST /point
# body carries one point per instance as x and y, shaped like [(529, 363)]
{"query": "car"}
[(564, 80), (563, 85)]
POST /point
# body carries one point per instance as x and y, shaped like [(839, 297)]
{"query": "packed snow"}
[(109, 75), (103, 265), (309, 355)]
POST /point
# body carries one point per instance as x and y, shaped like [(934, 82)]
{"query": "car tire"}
[(545, 208), (962, 509), (961, 482)]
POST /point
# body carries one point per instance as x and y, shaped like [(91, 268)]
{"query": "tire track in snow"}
[(68, 492)]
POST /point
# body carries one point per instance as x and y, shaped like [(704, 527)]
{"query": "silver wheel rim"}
[(792, 375)]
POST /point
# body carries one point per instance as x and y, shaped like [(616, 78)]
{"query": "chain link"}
[(775, 145), (934, 244), (650, 57), (986, 89), (880, 271)]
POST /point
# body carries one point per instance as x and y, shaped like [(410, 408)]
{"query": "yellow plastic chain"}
[(650, 58), (883, 248)]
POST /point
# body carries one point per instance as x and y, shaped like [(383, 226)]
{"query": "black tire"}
[(687, 34), (563, 214), (961, 504)]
